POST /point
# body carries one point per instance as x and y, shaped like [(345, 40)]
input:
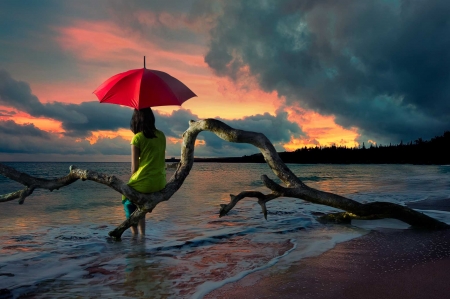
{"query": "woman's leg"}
[(141, 226), (129, 208), (134, 230)]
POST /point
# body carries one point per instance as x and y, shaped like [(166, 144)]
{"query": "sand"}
[(382, 264)]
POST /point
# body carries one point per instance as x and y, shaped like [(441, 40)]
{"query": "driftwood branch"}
[(294, 187), (262, 199), (31, 183)]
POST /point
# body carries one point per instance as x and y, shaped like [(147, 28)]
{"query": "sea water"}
[(56, 244)]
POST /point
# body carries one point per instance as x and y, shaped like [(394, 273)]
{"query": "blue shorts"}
[(129, 207)]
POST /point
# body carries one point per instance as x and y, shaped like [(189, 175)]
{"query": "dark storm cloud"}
[(176, 123), (9, 127), (381, 66), (97, 117), (6, 113), (77, 120), (277, 128), (27, 36), (32, 14), (166, 32), (31, 140)]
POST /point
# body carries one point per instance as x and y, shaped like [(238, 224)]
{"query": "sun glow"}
[(96, 135), (320, 130), (45, 124)]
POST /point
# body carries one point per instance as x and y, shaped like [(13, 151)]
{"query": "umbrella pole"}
[(144, 62)]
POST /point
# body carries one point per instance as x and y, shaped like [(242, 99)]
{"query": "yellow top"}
[(151, 174)]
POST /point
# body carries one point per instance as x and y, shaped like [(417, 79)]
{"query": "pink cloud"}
[(65, 92), (108, 43), (104, 49), (117, 51)]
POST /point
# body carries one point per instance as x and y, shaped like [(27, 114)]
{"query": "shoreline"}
[(387, 263)]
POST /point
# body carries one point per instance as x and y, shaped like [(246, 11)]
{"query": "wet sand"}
[(382, 264)]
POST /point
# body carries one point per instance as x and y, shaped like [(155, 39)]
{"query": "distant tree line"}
[(434, 151)]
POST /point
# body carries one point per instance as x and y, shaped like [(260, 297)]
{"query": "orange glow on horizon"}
[(199, 142), (174, 140), (234, 100), (45, 124), (123, 133), (320, 130)]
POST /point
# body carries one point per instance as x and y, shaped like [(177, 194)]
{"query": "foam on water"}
[(443, 216), (209, 286)]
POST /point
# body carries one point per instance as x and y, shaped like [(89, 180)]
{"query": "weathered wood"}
[(294, 186), (31, 183)]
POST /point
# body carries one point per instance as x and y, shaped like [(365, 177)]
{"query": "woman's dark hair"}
[(143, 121)]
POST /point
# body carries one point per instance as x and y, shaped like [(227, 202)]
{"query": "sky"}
[(304, 73)]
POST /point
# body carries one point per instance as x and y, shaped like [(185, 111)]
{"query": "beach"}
[(386, 263)]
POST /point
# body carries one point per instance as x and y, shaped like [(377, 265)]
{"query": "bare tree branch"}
[(262, 199), (12, 196)]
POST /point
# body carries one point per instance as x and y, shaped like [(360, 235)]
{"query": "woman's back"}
[(148, 165), (151, 174)]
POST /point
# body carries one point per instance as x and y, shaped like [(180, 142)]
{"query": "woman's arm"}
[(134, 158)]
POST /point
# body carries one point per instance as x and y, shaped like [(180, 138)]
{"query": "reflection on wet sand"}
[(144, 277)]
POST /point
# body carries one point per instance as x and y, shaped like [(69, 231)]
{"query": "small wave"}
[(281, 212), (22, 238), (257, 183), (203, 240), (79, 256), (71, 238), (315, 178), (289, 230), (209, 286), (23, 248)]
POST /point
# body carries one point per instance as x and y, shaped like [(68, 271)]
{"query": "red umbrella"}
[(142, 88)]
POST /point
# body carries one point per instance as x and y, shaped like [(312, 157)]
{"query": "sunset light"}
[(207, 149), (299, 91)]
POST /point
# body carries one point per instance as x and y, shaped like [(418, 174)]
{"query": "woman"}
[(148, 148)]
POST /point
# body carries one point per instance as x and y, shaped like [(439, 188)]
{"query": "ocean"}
[(56, 244)]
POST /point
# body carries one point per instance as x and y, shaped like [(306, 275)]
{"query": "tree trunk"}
[(294, 187)]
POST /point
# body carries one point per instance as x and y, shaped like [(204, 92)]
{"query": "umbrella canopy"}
[(142, 88)]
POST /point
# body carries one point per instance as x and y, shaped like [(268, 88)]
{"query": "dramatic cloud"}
[(10, 128), (77, 120), (27, 37), (381, 66), (83, 119), (27, 139), (277, 128), (7, 113), (168, 23)]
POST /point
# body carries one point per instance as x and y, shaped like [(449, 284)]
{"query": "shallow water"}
[(56, 244)]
